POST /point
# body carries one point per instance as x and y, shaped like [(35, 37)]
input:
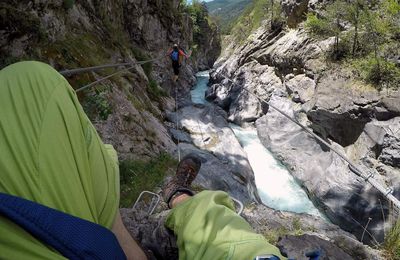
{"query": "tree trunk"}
[(355, 39)]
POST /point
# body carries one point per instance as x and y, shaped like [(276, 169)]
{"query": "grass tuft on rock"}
[(391, 246), (138, 175)]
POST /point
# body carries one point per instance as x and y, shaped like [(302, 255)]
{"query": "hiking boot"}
[(186, 172)]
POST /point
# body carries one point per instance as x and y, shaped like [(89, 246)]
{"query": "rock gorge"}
[(288, 68), (135, 112)]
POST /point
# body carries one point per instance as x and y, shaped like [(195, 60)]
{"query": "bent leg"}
[(51, 154), (207, 227)]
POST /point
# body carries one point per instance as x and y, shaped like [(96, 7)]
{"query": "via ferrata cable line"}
[(105, 66), (104, 78), (387, 192), (70, 72), (177, 121)]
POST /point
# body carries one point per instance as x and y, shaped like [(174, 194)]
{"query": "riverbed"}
[(276, 186)]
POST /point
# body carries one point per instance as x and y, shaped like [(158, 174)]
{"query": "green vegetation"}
[(273, 235), (254, 14), (296, 229), (138, 175), (378, 72), (97, 105), (199, 14), (372, 42), (226, 12), (317, 27), (155, 91), (391, 246), (140, 55)]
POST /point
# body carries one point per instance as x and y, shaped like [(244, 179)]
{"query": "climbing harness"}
[(388, 193)]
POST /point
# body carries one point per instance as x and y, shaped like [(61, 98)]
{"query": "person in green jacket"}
[(51, 154)]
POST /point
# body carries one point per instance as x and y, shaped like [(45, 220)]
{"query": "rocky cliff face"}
[(127, 110), (288, 68)]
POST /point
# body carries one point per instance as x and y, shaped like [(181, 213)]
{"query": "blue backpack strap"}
[(73, 237)]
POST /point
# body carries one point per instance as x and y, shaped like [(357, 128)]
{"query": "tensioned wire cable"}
[(177, 121), (96, 68), (387, 192)]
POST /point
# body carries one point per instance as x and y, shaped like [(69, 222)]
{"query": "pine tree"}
[(335, 15), (354, 16)]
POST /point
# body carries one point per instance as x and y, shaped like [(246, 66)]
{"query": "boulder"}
[(391, 104), (295, 11), (217, 173), (288, 68), (227, 167), (390, 154), (179, 136), (386, 138), (242, 106), (301, 88), (219, 95)]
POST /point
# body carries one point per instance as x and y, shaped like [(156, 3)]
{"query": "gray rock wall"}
[(289, 69)]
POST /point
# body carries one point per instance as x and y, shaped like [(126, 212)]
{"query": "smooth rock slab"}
[(345, 198), (215, 141)]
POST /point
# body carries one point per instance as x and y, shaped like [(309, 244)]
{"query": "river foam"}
[(276, 186)]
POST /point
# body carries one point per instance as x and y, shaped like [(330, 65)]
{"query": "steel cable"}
[(387, 192)]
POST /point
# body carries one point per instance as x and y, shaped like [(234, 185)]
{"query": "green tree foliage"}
[(336, 13), (227, 12), (316, 26), (199, 14), (202, 25), (331, 25), (253, 16), (354, 16), (371, 41)]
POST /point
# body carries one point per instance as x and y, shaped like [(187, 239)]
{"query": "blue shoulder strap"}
[(73, 237)]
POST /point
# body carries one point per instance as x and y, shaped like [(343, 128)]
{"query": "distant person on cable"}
[(176, 54)]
